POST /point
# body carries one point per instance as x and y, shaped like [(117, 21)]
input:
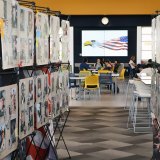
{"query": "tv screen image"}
[(111, 43)]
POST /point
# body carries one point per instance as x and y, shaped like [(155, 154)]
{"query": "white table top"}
[(145, 78), (77, 78), (146, 81)]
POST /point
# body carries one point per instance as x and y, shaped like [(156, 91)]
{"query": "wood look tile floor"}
[(96, 130)]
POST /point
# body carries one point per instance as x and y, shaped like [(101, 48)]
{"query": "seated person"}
[(148, 70), (107, 66), (84, 65), (98, 65), (116, 66)]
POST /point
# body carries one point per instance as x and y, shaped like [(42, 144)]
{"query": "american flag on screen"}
[(120, 43)]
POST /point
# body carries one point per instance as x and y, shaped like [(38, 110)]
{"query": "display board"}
[(54, 39), (65, 41), (41, 106), (1, 9), (26, 37), (8, 120), (9, 60), (42, 35), (55, 104), (18, 38), (26, 107)]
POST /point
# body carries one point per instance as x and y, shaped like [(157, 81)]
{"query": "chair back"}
[(72, 82), (84, 73), (105, 78), (121, 75), (92, 81), (104, 71)]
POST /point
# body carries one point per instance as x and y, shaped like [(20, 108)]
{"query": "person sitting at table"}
[(132, 66), (99, 64), (116, 66), (107, 65), (84, 65), (148, 71)]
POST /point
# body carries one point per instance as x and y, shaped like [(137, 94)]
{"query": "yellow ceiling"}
[(101, 7)]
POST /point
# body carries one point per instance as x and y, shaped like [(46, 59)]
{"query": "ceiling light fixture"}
[(105, 20)]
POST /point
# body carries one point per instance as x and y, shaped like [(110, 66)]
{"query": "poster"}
[(8, 120), (1, 9), (42, 37), (26, 36), (65, 25), (42, 97), (26, 110), (18, 39), (54, 39)]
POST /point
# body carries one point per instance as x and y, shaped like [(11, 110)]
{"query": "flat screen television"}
[(101, 43)]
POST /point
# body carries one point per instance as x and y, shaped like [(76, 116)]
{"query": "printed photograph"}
[(45, 27), (22, 93), (39, 112), (13, 131), (2, 136), (30, 117), (45, 86), (46, 111), (30, 92), (52, 81), (30, 49), (53, 101), (14, 16), (13, 106), (15, 47), (30, 22), (39, 88), (23, 147), (22, 122), (2, 102), (22, 49), (22, 20)]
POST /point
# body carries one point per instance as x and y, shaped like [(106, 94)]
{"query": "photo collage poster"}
[(8, 120), (42, 35), (26, 36), (64, 79), (9, 60), (1, 9), (26, 107), (55, 94), (65, 25), (18, 39), (54, 39), (41, 106)]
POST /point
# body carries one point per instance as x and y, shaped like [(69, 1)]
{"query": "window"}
[(146, 43)]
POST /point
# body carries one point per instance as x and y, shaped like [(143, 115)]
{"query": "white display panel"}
[(42, 35), (104, 43), (8, 120), (26, 109), (54, 38)]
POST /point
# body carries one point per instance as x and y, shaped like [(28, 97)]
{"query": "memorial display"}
[(8, 120), (65, 40), (26, 107), (42, 35), (54, 39)]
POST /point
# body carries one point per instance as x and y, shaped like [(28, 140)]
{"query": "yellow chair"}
[(121, 75), (91, 84), (104, 71), (121, 78)]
